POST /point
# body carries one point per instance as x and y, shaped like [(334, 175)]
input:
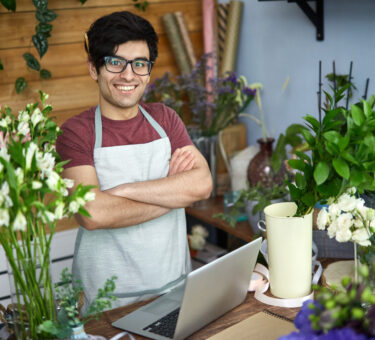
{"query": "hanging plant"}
[(42, 32)]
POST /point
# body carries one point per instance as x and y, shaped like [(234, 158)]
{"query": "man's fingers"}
[(181, 161)]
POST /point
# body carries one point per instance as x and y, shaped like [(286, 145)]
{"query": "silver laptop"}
[(208, 293)]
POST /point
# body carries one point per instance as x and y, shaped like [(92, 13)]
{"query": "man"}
[(137, 229)]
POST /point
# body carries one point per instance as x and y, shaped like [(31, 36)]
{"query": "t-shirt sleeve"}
[(75, 143), (176, 130)]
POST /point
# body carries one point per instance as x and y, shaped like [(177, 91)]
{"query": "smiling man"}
[(143, 164)]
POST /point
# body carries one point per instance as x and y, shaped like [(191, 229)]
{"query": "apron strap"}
[(98, 125)]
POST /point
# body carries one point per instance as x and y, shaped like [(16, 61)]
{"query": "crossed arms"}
[(189, 180)]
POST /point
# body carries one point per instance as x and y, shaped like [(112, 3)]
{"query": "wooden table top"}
[(249, 307), (204, 211)]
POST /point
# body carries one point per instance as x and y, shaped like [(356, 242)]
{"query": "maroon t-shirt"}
[(78, 139)]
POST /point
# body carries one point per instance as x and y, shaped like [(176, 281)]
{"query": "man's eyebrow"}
[(142, 58)]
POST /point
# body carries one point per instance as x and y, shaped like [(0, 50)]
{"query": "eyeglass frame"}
[(149, 63)]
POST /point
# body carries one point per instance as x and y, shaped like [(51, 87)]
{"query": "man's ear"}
[(92, 70)]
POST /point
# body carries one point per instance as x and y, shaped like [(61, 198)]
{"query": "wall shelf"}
[(316, 16)]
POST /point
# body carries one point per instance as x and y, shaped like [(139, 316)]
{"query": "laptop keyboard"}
[(165, 326)]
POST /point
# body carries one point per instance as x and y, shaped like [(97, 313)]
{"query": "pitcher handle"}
[(262, 225)]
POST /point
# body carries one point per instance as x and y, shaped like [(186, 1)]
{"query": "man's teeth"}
[(126, 88)]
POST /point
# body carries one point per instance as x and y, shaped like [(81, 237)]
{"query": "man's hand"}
[(181, 160)]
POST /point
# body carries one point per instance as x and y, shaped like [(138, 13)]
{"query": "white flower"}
[(344, 221), (361, 236), (23, 128), (46, 216), (347, 202), (4, 217), (30, 154), (196, 241), (199, 230), (351, 191), (20, 175), (343, 235), (59, 211), (53, 181), (45, 163), (334, 210), (69, 183), (80, 201), (23, 116), (89, 196), (331, 230), (37, 116), (323, 219), (5, 188), (5, 121), (73, 207), (36, 185), (19, 222)]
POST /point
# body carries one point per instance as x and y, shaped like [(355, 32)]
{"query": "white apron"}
[(149, 258)]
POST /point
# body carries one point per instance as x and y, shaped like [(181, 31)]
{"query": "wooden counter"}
[(249, 307)]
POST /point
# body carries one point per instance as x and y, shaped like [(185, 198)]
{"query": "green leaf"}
[(31, 61), (45, 74), (40, 4), (314, 122), (10, 5), (330, 115), (333, 137), (356, 177), (308, 137), (20, 84), (297, 164), (357, 115), (341, 167), (303, 156), (44, 29), (329, 188), (294, 192), (366, 108), (300, 181), (41, 44), (321, 172), (309, 199), (45, 16), (1, 65), (347, 156), (370, 166)]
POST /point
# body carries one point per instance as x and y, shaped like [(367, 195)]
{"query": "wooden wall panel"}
[(27, 5), (70, 59), (71, 89), (71, 24)]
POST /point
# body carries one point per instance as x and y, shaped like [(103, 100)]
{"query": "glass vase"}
[(260, 170), (365, 256), (31, 290)]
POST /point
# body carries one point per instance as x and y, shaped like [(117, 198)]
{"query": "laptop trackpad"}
[(162, 306)]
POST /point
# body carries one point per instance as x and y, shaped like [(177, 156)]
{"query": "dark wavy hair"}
[(110, 31)]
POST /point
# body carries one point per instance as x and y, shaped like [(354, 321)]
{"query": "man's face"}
[(121, 92)]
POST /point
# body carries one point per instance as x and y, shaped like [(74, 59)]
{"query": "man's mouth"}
[(125, 88)]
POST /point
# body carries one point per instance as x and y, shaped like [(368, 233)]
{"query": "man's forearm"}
[(176, 191), (108, 211)]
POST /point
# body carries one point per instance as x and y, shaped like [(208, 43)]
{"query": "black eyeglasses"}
[(141, 67)]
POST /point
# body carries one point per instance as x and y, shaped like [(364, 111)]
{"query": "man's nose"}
[(127, 72)]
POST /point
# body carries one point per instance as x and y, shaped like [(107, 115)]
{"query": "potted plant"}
[(69, 322), (33, 198)]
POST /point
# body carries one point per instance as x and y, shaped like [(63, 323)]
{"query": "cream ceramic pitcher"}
[(289, 241)]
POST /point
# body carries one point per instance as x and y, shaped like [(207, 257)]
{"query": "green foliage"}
[(45, 74), (354, 306), (142, 6), (1, 65), (31, 61), (10, 5), (342, 153), (260, 194), (20, 84), (68, 293)]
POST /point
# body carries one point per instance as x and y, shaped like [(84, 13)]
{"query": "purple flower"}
[(231, 78), (249, 92), (302, 320)]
